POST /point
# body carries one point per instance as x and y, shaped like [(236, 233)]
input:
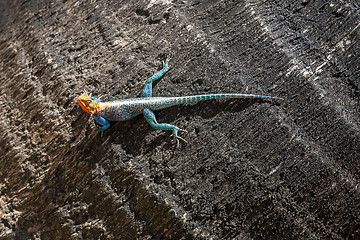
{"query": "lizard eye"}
[(88, 102)]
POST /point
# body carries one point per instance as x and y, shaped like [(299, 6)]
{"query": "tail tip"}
[(278, 98)]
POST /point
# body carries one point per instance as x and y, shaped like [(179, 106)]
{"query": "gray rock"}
[(251, 170)]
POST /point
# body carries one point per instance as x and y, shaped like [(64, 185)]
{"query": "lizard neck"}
[(104, 105)]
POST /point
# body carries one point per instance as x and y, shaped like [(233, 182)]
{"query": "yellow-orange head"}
[(87, 104)]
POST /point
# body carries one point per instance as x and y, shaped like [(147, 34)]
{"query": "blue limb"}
[(147, 90), (151, 119), (96, 99), (102, 121)]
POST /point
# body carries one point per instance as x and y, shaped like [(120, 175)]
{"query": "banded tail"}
[(199, 98), (165, 102)]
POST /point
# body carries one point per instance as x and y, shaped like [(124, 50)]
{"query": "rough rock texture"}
[(251, 169)]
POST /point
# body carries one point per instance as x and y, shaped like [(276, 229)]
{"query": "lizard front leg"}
[(102, 121), (151, 119)]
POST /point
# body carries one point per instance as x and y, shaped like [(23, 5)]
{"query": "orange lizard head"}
[(87, 104)]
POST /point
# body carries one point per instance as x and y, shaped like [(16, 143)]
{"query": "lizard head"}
[(87, 104)]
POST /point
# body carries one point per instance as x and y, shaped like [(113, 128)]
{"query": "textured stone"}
[(251, 169)]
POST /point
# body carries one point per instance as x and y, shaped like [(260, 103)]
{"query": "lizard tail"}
[(199, 98)]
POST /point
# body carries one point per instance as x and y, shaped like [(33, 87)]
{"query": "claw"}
[(183, 130), (177, 140), (181, 139), (167, 60)]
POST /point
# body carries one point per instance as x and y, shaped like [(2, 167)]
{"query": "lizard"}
[(126, 109)]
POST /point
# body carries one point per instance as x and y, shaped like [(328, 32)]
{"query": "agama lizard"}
[(125, 109)]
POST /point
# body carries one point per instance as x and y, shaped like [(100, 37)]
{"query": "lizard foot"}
[(178, 142), (175, 134), (167, 60)]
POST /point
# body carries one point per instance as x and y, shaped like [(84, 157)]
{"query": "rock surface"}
[(251, 170)]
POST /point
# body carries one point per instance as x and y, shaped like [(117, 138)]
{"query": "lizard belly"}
[(118, 113), (123, 110)]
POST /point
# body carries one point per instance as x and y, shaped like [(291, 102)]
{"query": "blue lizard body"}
[(123, 110)]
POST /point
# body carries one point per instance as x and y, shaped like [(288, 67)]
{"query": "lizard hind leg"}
[(151, 119), (147, 90)]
